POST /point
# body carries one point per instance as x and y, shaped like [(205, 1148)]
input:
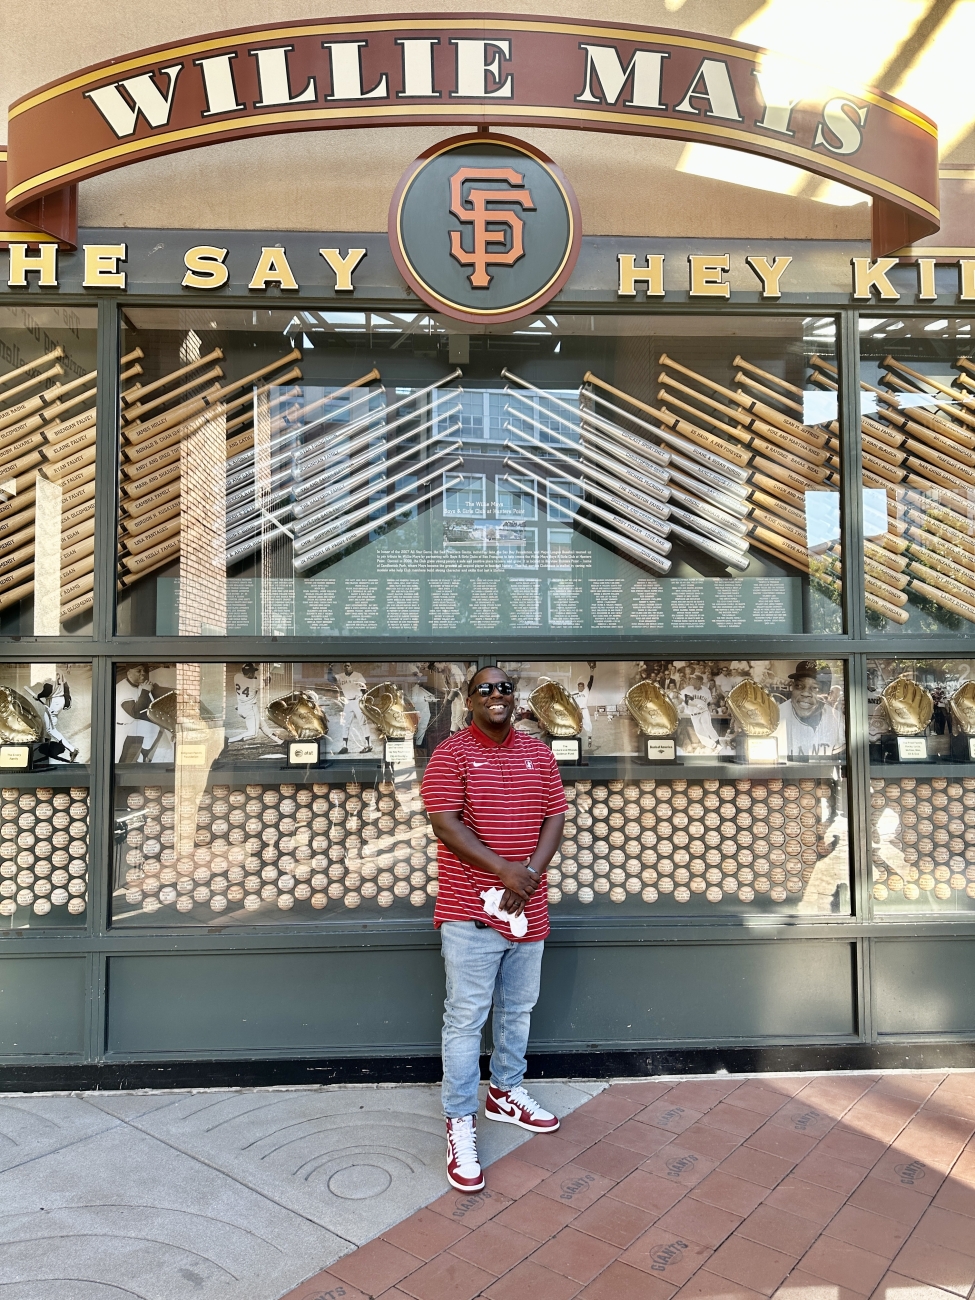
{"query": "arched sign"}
[(484, 228), (497, 70)]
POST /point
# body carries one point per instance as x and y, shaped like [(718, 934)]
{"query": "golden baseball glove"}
[(753, 709), (162, 711), (909, 706), (654, 713), (962, 706), (555, 709), (299, 715), (19, 721), (388, 709)]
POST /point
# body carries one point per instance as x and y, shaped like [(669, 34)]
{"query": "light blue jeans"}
[(483, 967)]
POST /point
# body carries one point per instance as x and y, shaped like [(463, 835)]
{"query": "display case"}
[(45, 748), (385, 475), (918, 430), (262, 792), (922, 785)]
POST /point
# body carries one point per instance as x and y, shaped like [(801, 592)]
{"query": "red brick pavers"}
[(824, 1187)]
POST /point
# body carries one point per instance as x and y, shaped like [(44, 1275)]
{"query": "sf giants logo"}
[(491, 226)]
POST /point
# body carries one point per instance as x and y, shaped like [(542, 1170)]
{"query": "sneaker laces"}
[(463, 1137), (526, 1100)]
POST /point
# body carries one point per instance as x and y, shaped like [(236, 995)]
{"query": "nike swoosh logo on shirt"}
[(479, 764)]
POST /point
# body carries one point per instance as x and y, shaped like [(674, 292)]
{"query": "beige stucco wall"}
[(342, 180)]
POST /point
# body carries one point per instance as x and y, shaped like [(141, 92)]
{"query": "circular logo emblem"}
[(484, 228)]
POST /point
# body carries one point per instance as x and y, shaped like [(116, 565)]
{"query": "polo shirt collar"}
[(478, 735)]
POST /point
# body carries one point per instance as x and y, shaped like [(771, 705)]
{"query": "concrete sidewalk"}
[(233, 1195), (798, 1187)]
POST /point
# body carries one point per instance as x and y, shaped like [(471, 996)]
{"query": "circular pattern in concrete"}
[(359, 1182)]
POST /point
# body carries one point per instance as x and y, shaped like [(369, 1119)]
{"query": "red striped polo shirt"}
[(505, 792)]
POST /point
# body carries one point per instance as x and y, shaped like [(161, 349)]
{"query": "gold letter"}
[(770, 273), (652, 275), (273, 265), (45, 263), (926, 287), (205, 267), (967, 267), (706, 281), (869, 275), (101, 266), (343, 266)]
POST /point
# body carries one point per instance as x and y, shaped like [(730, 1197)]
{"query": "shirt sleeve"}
[(555, 800), (443, 787)]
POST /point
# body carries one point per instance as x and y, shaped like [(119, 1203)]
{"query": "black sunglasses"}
[(484, 689)]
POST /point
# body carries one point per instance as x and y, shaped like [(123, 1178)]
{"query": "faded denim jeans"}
[(485, 968)]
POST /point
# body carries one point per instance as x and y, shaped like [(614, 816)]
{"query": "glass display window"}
[(922, 785), (381, 474), (918, 432), (45, 749), (671, 809), (259, 792), (48, 378)]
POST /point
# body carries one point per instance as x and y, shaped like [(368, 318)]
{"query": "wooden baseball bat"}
[(135, 412), (53, 355), (42, 378), (138, 433), (767, 376), (766, 413), (781, 437), (55, 394), (142, 391), (749, 382)]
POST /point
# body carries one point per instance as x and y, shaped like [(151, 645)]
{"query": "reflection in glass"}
[(704, 828), (918, 430), (326, 474), (45, 725), (212, 819), (47, 468)]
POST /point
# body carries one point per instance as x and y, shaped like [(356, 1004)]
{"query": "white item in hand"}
[(492, 905)]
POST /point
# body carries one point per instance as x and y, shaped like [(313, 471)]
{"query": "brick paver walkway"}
[(829, 1187)]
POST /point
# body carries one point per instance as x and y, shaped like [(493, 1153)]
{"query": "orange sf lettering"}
[(476, 213)]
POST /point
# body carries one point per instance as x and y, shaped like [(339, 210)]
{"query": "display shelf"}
[(933, 767), (58, 776), (602, 768)]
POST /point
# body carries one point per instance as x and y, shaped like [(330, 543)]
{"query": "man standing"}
[(497, 806), (581, 697), (352, 684)]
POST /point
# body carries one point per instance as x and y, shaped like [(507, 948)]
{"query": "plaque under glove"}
[(21, 731)]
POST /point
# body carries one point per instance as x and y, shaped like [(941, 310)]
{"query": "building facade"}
[(304, 417)]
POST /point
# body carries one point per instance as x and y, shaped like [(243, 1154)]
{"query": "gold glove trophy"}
[(961, 711), (909, 708), (21, 732), (657, 719), (757, 716), (396, 720), (560, 717), (300, 715)]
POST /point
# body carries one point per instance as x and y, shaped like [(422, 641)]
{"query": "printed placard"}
[(761, 749), (566, 749), (15, 757), (912, 748), (302, 753), (193, 754), (661, 751), (399, 753)]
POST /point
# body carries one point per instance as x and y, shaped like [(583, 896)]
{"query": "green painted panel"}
[(799, 990), (924, 986), (42, 1006), (275, 1002)]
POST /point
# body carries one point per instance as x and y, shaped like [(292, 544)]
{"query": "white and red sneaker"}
[(463, 1166), (516, 1106)]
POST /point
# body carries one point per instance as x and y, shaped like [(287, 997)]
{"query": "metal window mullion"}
[(851, 463), (106, 469)]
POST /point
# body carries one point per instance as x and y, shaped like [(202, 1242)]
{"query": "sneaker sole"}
[(500, 1118), (463, 1187)]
